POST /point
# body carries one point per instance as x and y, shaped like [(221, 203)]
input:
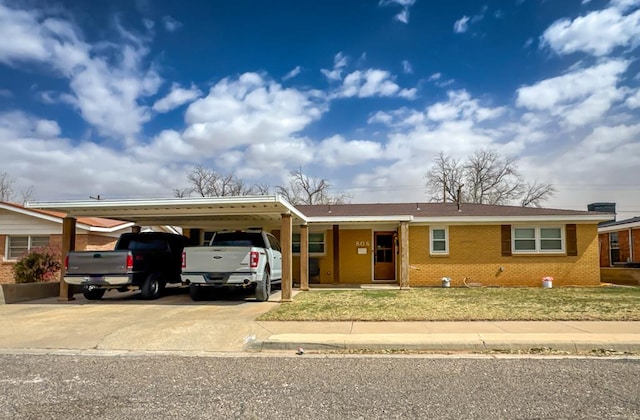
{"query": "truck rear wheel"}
[(196, 292), (93, 293), (152, 287), (263, 288)]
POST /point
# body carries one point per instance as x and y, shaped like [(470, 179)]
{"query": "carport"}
[(216, 213)]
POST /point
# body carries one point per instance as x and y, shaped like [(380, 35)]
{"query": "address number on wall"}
[(363, 243)]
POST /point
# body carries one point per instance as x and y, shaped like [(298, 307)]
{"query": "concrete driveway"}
[(122, 321)]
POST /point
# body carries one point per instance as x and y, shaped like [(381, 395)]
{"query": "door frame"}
[(394, 251)]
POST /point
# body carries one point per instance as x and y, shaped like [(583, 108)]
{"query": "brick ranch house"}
[(485, 244), (409, 244), (23, 229)]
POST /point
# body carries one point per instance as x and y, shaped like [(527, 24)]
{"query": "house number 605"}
[(363, 243)]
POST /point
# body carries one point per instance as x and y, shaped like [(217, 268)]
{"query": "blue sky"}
[(123, 98)]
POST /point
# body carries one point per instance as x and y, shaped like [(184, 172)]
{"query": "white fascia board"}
[(620, 227), (31, 213), (280, 199), (105, 229), (160, 202), (359, 219), (508, 220)]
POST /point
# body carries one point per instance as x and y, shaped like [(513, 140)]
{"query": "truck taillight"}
[(184, 259), (254, 258), (66, 263), (129, 262)]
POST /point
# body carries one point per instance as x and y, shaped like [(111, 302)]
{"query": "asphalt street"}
[(262, 386)]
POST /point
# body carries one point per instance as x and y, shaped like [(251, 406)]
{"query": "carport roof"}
[(177, 211)]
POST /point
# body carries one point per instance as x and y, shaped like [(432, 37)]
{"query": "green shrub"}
[(39, 265)]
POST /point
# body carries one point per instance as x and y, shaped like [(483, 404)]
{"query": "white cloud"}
[(579, 97), (339, 63), (435, 76), (249, 110), (598, 33), (335, 151), (461, 25), (403, 15), (633, 101), (177, 97), (624, 5), (293, 73), (96, 169), (407, 68), (372, 82), (106, 80), (461, 106), (170, 24)]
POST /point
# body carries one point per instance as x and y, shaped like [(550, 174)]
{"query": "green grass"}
[(463, 304)]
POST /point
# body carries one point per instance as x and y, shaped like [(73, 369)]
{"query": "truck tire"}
[(93, 293), (152, 287), (196, 292), (263, 288)]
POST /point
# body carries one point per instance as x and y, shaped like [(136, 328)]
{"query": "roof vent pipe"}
[(458, 195)]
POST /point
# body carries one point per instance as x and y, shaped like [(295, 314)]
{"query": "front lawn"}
[(463, 304)]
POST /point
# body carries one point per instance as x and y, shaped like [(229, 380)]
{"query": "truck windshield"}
[(142, 244), (238, 239)]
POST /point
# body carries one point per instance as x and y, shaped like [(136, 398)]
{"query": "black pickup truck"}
[(147, 261)]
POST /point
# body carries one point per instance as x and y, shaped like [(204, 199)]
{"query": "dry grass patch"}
[(476, 304)]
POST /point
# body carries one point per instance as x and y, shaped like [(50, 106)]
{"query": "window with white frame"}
[(316, 243), (538, 239), (438, 240), (17, 246), (614, 248)]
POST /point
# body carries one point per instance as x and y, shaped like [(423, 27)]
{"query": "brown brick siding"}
[(475, 253), (603, 240), (624, 242), (88, 242)]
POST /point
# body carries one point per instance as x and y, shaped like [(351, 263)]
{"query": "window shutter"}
[(506, 240), (572, 241)]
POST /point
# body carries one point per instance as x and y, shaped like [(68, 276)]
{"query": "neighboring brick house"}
[(619, 242), (22, 229)]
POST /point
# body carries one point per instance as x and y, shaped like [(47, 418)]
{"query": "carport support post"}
[(285, 238), (404, 255), (68, 244), (304, 257)]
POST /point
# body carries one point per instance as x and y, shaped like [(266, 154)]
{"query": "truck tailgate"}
[(215, 259), (97, 262)]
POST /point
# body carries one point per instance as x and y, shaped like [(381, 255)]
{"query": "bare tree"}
[(444, 178), (208, 183), (7, 192), (27, 195), (488, 178), (303, 189), (536, 193), (6, 186), (491, 178)]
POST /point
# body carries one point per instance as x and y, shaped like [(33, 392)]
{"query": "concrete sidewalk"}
[(122, 322)]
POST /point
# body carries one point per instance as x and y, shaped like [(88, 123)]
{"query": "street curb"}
[(349, 342)]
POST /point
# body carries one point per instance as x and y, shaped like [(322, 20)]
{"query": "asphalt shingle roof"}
[(432, 210)]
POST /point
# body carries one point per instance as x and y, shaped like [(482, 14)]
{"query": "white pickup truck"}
[(250, 259)]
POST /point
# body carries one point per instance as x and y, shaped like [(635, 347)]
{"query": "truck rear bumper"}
[(220, 279), (99, 280)]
